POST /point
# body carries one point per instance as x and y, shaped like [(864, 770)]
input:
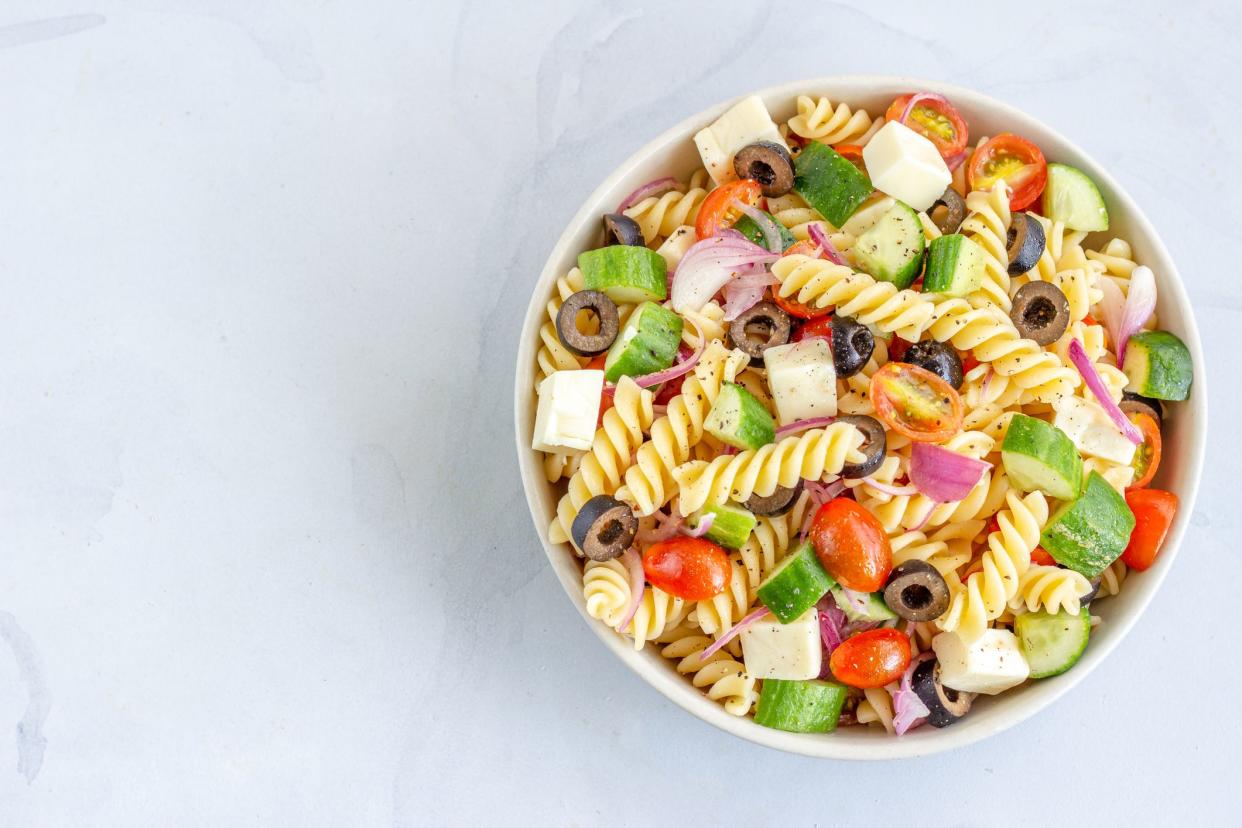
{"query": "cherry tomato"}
[(1147, 455), (693, 569), (969, 363), (915, 402), (1014, 159), (790, 304), (821, 327), (1154, 511), (897, 348), (853, 154), (852, 545), (1041, 557), (939, 122), (718, 211), (1089, 320), (872, 658)]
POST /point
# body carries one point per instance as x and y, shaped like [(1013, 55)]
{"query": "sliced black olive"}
[(1132, 403), (604, 528), (1095, 590), (916, 591), (768, 163), (1040, 312), (948, 211), (874, 446), (620, 229), (852, 344), (605, 311), (777, 503), (945, 705), (1026, 243), (938, 358), (766, 321)]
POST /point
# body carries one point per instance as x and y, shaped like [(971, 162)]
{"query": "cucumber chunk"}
[(731, 525), (892, 250), (625, 273), (1052, 642), (748, 228), (830, 183), (795, 585), (1040, 456), (1158, 365), (1072, 198), (647, 343), (873, 610), (739, 419), (800, 706), (1089, 533), (955, 266)]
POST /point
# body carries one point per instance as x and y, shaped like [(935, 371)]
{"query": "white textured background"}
[(264, 558)]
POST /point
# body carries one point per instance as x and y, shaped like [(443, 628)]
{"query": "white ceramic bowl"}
[(674, 153)]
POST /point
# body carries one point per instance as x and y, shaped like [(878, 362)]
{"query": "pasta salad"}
[(858, 420)]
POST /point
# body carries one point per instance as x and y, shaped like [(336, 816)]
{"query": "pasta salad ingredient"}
[(934, 118), (1088, 533), (916, 591), (872, 658), (944, 704), (852, 545), (604, 528), (723, 207), (1025, 243), (1146, 460), (892, 249), (1038, 456), (801, 706), (830, 183), (738, 419), (763, 326), (905, 165), (955, 266), (938, 358), (795, 585), (852, 345), (767, 162), (915, 403), (648, 343), (1052, 642), (622, 230), (1158, 365), (1014, 160), (1072, 199), (1154, 511), (692, 569), (607, 323), (1040, 312)]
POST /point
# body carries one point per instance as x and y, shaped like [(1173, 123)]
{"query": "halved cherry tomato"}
[(816, 327), (790, 304), (897, 348), (1014, 159), (1154, 511), (853, 154), (871, 659), (1147, 455), (718, 211), (939, 122), (915, 402), (693, 569), (969, 363), (852, 545), (1041, 557)]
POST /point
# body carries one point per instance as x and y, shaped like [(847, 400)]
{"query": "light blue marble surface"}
[(265, 555)]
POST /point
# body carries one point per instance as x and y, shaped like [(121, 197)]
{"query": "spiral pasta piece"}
[(703, 325), (808, 456), (881, 305), (986, 593), (717, 614), (556, 466), (876, 708), (987, 224), (606, 590), (828, 124), (721, 677), (1112, 578), (660, 215), (946, 549), (553, 356), (770, 541), (1050, 588)]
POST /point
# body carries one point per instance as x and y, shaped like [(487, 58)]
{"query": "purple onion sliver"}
[(1091, 377), (649, 189), (733, 632)]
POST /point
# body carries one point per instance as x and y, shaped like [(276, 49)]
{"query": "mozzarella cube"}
[(1092, 430), (905, 165), (568, 410), (792, 651), (990, 665), (676, 245), (746, 122), (802, 379)]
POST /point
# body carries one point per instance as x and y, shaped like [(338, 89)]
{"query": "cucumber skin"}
[(943, 256), (904, 276), (830, 183), (1047, 444), (747, 227), (1030, 626), (626, 359), (805, 582), (1169, 370), (1059, 175), (800, 706), (876, 610), (1088, 534), (731, 526), (754, 426), (619, 268)]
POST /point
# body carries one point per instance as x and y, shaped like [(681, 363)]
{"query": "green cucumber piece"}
[(647, 343), (1072, 198), (1158, 365), (830, 183), (795, 585), (874, 610), (730, 527), (739, 419), (800, 706), (955, 266), (1089, 533), (1038, 455), (625, 273), (1052, 642), (748, 228), (892, 250)]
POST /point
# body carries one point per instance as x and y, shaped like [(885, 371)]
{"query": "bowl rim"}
[(675, 687)]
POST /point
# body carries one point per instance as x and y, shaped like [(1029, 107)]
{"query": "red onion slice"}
[(825, 244), (733, 633), (657, 187), (888, 488), (1140, 302), (802, 425), (634, 565), (709, 265), (914, 101), (666, 527), (704, 525), (944, 475), (831, 621), (744, 292), (908, 709), (1091, 377), (771, 233), (673, 371), (955, 160)]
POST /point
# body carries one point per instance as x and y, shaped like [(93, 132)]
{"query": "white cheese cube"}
[(568, 410), (905, 165), (676, 245), (802, 380), (773, 650), (1092, 430), (990, 665), (744, 123)]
